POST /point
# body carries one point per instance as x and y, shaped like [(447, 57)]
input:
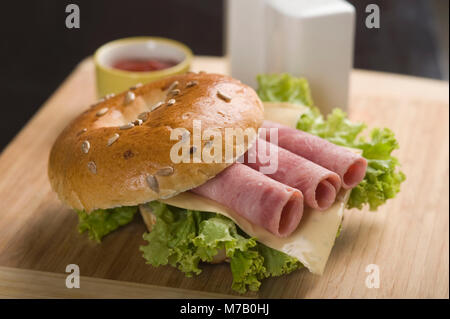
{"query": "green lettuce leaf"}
[(276, 262), (247, 268), (284, 88), (336, 128), (382, 180), (184, 238), (101, 222), (383, 177), (171, 239)]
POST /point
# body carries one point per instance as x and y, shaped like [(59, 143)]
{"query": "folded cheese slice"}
[(284, 113), (312, 241)]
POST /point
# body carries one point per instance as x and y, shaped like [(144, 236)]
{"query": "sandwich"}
[(222, 173)]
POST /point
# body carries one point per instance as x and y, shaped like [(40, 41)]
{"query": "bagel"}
[(117, 153)]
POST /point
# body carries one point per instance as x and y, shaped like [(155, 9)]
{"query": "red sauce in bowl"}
[(143, 65)]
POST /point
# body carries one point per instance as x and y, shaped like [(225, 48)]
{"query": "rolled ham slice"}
[(263, 201), (318, 184), (349, 166)]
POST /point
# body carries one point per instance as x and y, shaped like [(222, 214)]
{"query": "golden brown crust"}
[(91, 167)]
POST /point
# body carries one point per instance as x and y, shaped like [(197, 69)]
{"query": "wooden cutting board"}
[(408, 238)]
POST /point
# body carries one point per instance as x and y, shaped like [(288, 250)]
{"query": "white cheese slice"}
[(312, 241), (283, 113)]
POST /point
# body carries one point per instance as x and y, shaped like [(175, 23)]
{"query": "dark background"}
[(37, 51)]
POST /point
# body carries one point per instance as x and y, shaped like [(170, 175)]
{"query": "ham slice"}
[(319, 185), (349, 166), (261, 200)]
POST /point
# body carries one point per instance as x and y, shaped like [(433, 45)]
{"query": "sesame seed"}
[(129, 97), (171, 102), (110, 95), (153, 183), (223, 96), (102, 111), (126, 126), (85, 146), (143, 116), (92, 167), (191, 84), (113, 138), (166, 171), (138, 122), (186, 115), (82, 131), (154, 107), (172, 86), (137, 85), (174, 92)]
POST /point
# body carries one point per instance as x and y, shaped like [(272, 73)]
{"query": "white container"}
[(312, 39)]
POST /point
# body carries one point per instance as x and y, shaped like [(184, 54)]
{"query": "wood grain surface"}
[(20, 283), (408, 238)]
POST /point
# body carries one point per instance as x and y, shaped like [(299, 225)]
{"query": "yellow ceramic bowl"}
[(111, 80)]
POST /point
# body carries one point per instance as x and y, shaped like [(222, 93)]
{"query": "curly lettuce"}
[(383, 177), (283, 87), (101, 222), (184, 238), (382, 180)]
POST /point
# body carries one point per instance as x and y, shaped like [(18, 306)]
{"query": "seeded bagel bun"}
[(117, 153)]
